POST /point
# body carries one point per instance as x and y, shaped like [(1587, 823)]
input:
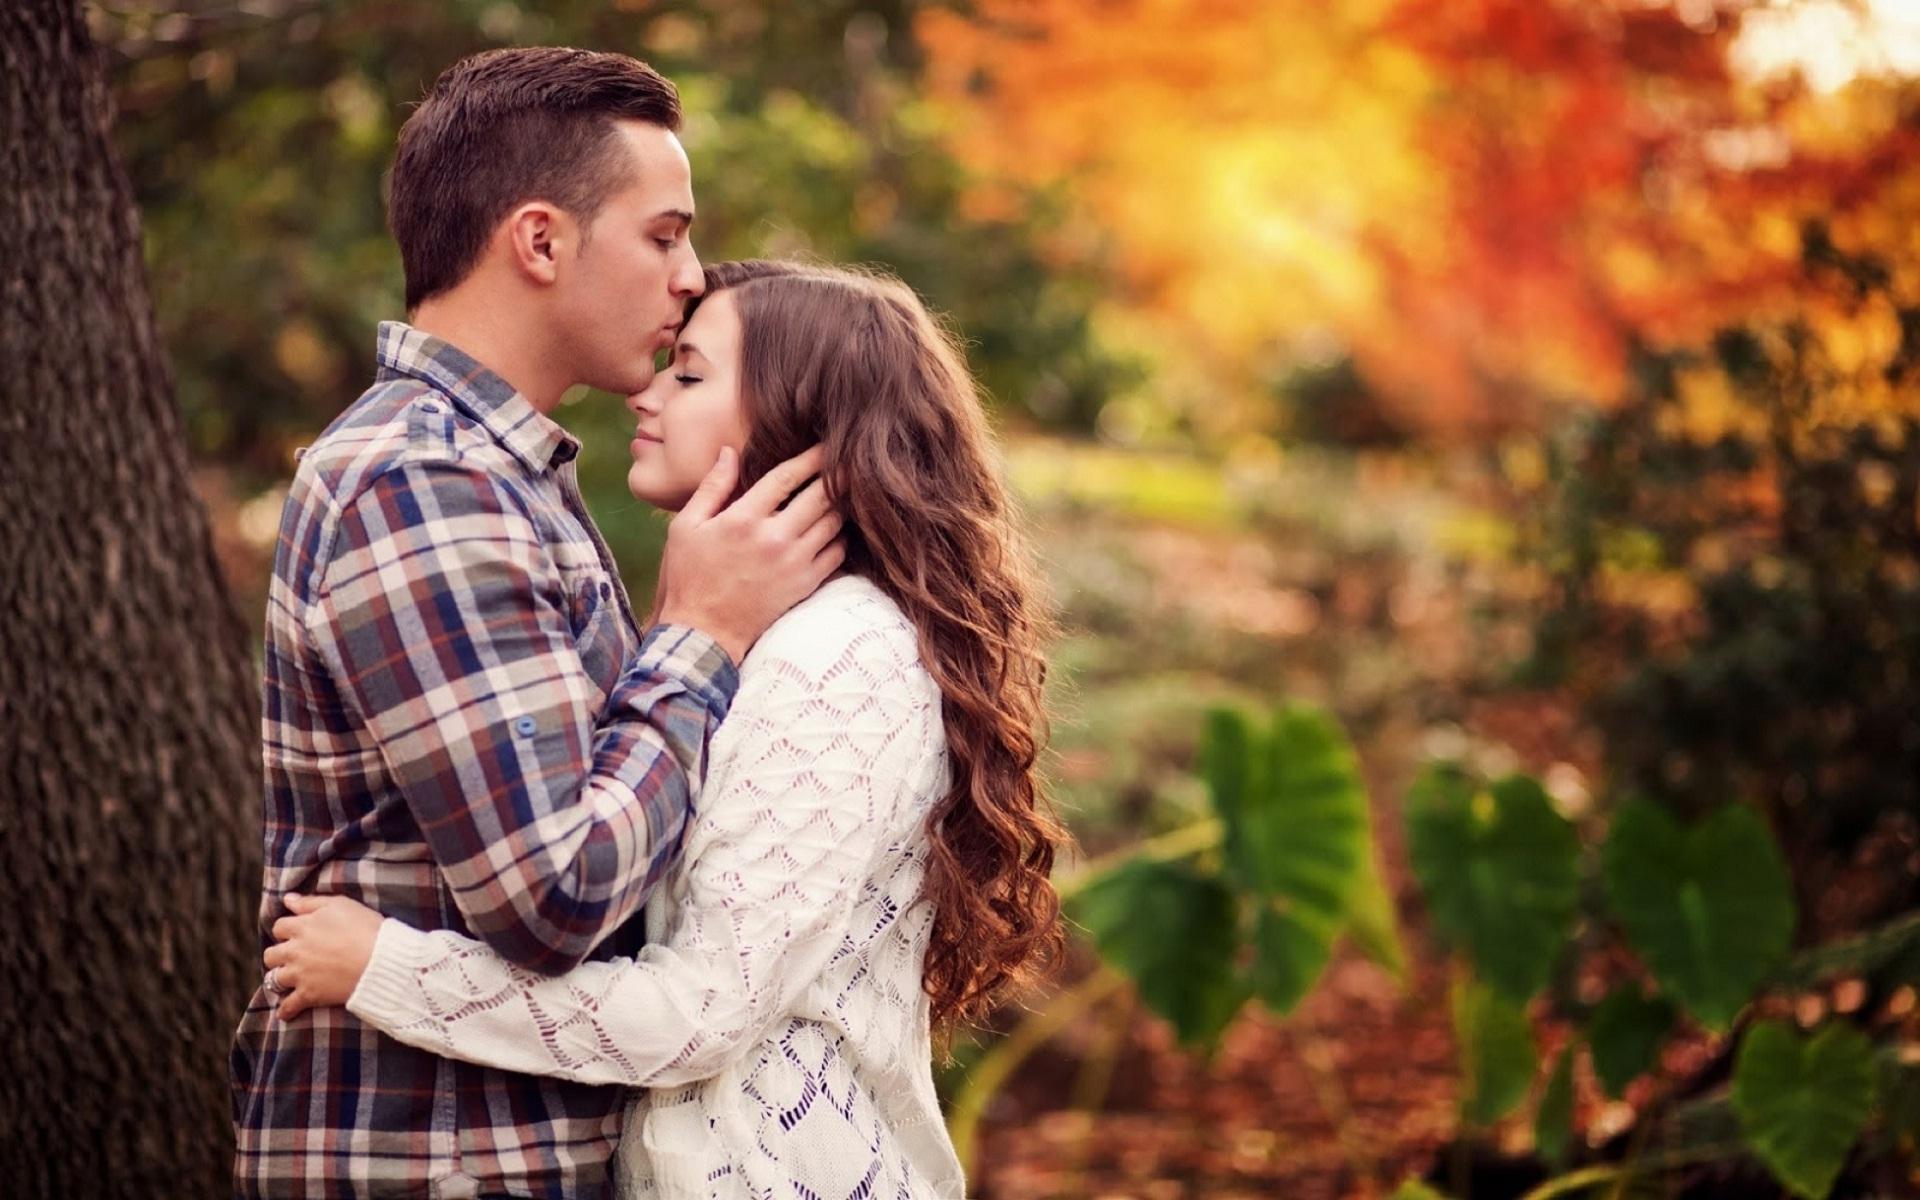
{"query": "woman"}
[(868, 860)]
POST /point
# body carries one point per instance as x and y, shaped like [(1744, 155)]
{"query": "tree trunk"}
[(128, 766)]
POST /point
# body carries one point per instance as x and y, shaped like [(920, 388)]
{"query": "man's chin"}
[(626, 382)]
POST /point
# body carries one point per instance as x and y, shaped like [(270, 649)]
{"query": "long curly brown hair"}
[(852, 360)]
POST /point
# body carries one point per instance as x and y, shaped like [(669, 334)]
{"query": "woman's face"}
[(690, 410)]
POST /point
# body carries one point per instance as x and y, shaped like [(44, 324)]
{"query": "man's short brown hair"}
[(504, 127)]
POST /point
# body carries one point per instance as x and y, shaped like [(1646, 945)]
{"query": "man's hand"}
[(731, 571)]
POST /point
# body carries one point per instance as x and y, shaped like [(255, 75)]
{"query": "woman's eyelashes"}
[(687, 380)]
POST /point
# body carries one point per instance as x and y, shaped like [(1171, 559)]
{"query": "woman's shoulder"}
[(847, 619)]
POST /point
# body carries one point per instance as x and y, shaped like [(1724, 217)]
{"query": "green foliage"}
[(1709, 908), (1625, 1034), (1736, 607), (1295, 836), (1295, 819), (1175, 931), (1499, 867), (1497, 1055), (1803, 1102), (1786, 526), (1370, 919)]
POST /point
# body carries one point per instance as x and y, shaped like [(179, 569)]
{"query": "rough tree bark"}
[(128, 794)]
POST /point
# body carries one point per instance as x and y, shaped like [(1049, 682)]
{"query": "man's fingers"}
[(808, 505), (822, 531), (776, 485), (828, 561), (711, 496)]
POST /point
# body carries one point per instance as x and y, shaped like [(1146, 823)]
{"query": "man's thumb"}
[(711, 496)]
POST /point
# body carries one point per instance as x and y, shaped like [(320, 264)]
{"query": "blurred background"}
[(1475, 448)]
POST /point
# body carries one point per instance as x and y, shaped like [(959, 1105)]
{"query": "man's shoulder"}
[(394, 424)]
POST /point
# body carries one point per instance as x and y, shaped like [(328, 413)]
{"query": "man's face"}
[(622, 296)]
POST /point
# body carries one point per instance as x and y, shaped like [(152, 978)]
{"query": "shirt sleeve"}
[(810, 775), (442, 618)]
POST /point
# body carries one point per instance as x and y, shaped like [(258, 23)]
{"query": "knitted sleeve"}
[(808, 778)]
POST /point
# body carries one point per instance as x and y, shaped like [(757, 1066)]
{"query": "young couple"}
[(555, 907)]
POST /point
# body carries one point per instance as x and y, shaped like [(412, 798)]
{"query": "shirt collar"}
[(532, 436)]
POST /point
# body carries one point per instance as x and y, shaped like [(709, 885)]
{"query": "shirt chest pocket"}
[(599, 630)]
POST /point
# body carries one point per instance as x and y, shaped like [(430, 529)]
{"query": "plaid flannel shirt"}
[(462, 730)]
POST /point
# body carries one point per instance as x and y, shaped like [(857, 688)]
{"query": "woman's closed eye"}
[(686, 380)]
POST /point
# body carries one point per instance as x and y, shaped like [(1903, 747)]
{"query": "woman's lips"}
[(641, 437)]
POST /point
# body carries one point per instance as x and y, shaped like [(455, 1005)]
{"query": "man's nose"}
[(688, 278)]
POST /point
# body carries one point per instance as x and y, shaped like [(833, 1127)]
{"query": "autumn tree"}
[(127, 751), (1488, 205)]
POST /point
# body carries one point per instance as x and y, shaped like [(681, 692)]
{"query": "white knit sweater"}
[(776, 1017)]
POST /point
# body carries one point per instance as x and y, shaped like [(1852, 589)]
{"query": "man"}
[(462, 726)]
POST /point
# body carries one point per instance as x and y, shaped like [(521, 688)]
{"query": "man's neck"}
[(497, 342)]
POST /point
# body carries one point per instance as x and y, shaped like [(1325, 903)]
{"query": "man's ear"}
[(538, 237)]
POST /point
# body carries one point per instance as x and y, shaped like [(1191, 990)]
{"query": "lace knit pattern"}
[(776, 1017)]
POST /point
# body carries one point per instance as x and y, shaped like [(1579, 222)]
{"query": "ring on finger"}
[(273, 982)]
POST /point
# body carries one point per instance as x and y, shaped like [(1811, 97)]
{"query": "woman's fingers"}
[(293, 1006), (285, 928), (302, 905), (277, 953)]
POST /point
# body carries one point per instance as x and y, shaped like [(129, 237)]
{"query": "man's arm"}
[(442, 616)]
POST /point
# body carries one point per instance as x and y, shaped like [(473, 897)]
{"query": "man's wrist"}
[(736, 647)]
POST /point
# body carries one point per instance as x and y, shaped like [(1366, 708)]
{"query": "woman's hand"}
[(321, 951)]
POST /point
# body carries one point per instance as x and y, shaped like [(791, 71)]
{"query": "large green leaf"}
[(1297, 831), (1370, 919), (1553, 1120), (1625, 1035), (1175, 932), (1294, 814), (1803, 1101), (1500, 870), (1497, 1055), (1229, 758), (1290, 950), (1709, 908)]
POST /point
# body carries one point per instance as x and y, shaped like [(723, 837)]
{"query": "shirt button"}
[(524, 726), (429, 408), (606, 590)]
